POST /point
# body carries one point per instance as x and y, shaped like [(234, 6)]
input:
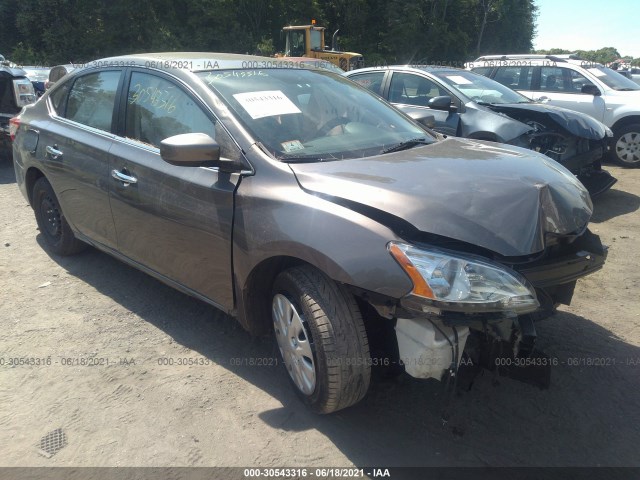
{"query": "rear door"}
[(74, 148), (374, 81), (173, 220), (522, 78)]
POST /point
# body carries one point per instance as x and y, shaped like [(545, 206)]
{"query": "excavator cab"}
[(301, 40), (308, 41)]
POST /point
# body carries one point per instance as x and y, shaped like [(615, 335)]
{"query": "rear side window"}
[(482, 70), (158, 109), (516, 78), (411, 89), (372, 81), (92, 98)]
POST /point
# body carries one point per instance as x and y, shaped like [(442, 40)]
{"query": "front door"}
[(174, 220), (561, 87)]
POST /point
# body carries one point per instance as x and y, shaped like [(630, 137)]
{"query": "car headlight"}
[(465, 284)]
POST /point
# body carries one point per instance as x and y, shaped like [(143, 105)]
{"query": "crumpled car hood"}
[(577, 123), (502, 198)]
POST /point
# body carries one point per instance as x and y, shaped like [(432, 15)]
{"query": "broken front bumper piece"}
[(428, 348), (432, 343)]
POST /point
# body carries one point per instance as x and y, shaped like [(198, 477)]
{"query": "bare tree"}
[(488, 7)]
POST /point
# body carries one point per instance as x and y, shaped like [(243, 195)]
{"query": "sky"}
[(589, 25)]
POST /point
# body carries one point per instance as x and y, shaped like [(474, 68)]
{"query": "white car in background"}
[(580, 85)]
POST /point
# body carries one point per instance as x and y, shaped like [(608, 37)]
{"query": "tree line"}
[(50, 32)]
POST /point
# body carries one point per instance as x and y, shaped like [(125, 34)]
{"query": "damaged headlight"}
[(465, 284)]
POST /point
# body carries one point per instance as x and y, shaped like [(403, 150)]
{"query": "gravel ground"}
[(135, 373)]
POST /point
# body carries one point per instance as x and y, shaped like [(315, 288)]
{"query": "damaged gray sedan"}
[(469, 105), (310, 209)]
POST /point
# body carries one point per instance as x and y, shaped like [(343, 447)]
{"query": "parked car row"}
[(306, 206), (586, 87), (16, 91), (21, 86), (468, 105)]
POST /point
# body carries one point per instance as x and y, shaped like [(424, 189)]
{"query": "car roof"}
[(409, 68), (193, 61), (12, 71), (315, 62), (571, 59)]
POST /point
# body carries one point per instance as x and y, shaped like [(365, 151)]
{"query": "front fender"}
[(347, 246), (504, 128)]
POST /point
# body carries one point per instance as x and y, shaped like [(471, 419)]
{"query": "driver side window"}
[(157, 109), (577, 81)]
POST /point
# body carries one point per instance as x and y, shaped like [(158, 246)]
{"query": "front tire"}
[(51, 221), (625, 148), (321, 338)]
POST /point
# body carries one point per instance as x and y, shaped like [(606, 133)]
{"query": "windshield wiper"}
[(626, 89), (406, 145), (297, 158)]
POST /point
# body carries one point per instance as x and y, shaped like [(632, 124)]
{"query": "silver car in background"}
[(579, 85)]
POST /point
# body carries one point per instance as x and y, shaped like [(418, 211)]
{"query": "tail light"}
[(14, 124)]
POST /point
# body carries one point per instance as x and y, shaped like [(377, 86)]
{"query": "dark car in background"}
[(16, 91), (468, 105), (307, 207)]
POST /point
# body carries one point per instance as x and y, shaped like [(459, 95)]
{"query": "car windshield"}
[(313, 115), (613, 79), (478, 88)]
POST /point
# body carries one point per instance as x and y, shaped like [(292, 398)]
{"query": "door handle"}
[(54, 152), (123, 177)]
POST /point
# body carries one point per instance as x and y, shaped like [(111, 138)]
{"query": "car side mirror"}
[(591, 89), (440, 103), (195, 150), (423, 118)]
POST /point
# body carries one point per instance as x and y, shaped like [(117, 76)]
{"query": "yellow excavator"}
[(308, 41)]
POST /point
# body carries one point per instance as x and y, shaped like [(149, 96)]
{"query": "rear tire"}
[(625, 148), (51, 221), (321, 338)]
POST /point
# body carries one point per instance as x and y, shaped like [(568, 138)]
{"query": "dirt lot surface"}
[(114, 384)]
